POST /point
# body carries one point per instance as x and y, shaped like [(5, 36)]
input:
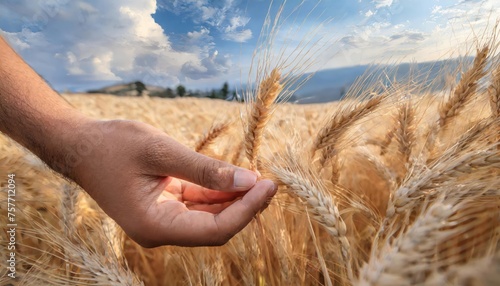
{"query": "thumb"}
[(181, 162)]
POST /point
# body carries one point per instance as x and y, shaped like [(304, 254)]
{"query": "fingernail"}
[(272, 190), (244, 179)]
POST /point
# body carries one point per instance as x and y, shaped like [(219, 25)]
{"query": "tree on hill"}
[(140, 87), (213, 94), (181, 90), (224, 90)]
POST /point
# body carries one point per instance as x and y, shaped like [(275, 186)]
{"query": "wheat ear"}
[(451, 217), (494, 93), (337, 125), (465, 89), (261, 112), (236, 159), (405, 131), (69, 201), (215, 131), (454, 162), (384, 145), (305, 183)]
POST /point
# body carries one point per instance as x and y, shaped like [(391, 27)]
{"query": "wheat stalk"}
[(260, 114)]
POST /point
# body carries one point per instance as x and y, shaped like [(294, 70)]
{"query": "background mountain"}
[(324, 86), (332, 84)]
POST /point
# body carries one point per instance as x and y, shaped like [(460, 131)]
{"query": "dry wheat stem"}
[(260, 114)]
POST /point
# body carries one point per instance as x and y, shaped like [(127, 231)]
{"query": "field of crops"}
[(396, 187), (397, 184)]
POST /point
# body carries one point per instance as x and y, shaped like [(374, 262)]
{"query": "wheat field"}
[(400, 187), (393, 185)]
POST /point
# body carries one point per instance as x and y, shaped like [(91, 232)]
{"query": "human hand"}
[(142, 179), (137, 174)]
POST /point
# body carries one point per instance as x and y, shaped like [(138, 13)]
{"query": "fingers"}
[(197, 194), (170, 158), (175, 225)]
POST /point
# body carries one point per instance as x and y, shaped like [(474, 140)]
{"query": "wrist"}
[(64, 141)]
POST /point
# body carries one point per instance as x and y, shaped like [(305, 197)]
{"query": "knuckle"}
[(208, 175)]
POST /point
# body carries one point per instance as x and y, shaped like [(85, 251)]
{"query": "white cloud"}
[(220, 15), (212, 64), (198, 35), (382, 3), (236, 22), (234, 32), (436, 9), (105, 41), (369, 13), (446, 31), (239, 36)]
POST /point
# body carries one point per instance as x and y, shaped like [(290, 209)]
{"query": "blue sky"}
[(82, 44)]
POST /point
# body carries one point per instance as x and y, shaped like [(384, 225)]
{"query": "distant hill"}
[(327, 85), (332, 84), (136, 88)]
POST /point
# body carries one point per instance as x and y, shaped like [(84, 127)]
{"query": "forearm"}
[(31, 112)]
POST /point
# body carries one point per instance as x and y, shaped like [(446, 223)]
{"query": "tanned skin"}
[(159, 191)]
